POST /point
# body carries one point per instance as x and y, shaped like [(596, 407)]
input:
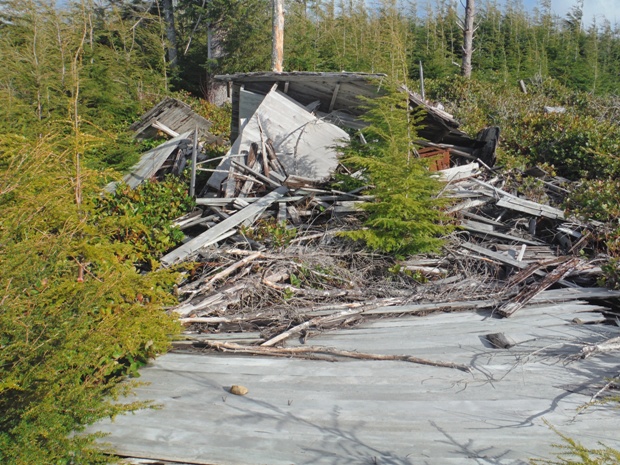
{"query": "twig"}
[(604, 388), (228, 271)]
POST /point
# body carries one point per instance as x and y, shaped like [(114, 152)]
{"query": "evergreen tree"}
[(405, 217)]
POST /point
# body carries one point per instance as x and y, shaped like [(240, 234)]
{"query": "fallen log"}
[(310, 350)]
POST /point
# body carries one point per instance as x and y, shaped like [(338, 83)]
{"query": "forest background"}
[(80, 289)]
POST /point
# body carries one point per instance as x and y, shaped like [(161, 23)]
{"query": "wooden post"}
[(192, 185), (277, 51), (422, 81), (468, 38)]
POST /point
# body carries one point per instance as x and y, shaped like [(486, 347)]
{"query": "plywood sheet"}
[(150, 162)]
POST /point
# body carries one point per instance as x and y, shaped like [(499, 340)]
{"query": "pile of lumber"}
[(267, 261), (526, 245), (508, 252)]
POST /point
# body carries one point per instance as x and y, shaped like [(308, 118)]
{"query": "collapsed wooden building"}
[(272, 278)]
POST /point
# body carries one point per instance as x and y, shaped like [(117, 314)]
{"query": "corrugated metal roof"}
[(320, 412)]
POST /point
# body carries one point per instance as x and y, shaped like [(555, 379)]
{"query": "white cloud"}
[(609, 9), (599, 9)]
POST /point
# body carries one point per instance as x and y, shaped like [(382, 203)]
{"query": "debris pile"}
[(507, 253), (268, 260)]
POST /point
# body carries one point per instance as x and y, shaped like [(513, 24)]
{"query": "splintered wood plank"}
[(482, 231), (282, 213), (294, 215), (251, 163), (458, 173), (469, 203), (222, 202), (334, 97), (256, 174), (509, 308), (192, 186), (505, 259), (220, 229), (534, 268), (151, 161), (231, 184), (273, 158)]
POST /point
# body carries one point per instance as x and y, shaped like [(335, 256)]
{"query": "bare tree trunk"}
[(277, 51), (468, 38), (171, 33)]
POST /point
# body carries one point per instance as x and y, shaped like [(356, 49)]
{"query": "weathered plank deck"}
[(352, 412)]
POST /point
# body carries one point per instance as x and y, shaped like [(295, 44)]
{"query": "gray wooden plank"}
[(529, 207), (151, 161), (222, 228), (484, 232)]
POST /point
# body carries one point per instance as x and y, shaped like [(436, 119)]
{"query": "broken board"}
[(304, 144), (151, 161)]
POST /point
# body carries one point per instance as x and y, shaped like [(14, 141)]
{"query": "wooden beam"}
[(473, 228), (509, 308), (256, 174), (192, 184), (531, 208), (334, 96)]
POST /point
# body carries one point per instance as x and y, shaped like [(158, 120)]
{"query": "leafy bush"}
[(75, 314), (271, 231), (143, 216), (599, 200), (583, 142), (219, 116), (576, 146), (405, 218)]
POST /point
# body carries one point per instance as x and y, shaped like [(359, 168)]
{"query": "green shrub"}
[(75, 314), (574, 453), (582, 142), (143, 216), (576, 146)]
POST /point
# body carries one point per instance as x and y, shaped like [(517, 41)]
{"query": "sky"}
[(592, 9), (609, 9)]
